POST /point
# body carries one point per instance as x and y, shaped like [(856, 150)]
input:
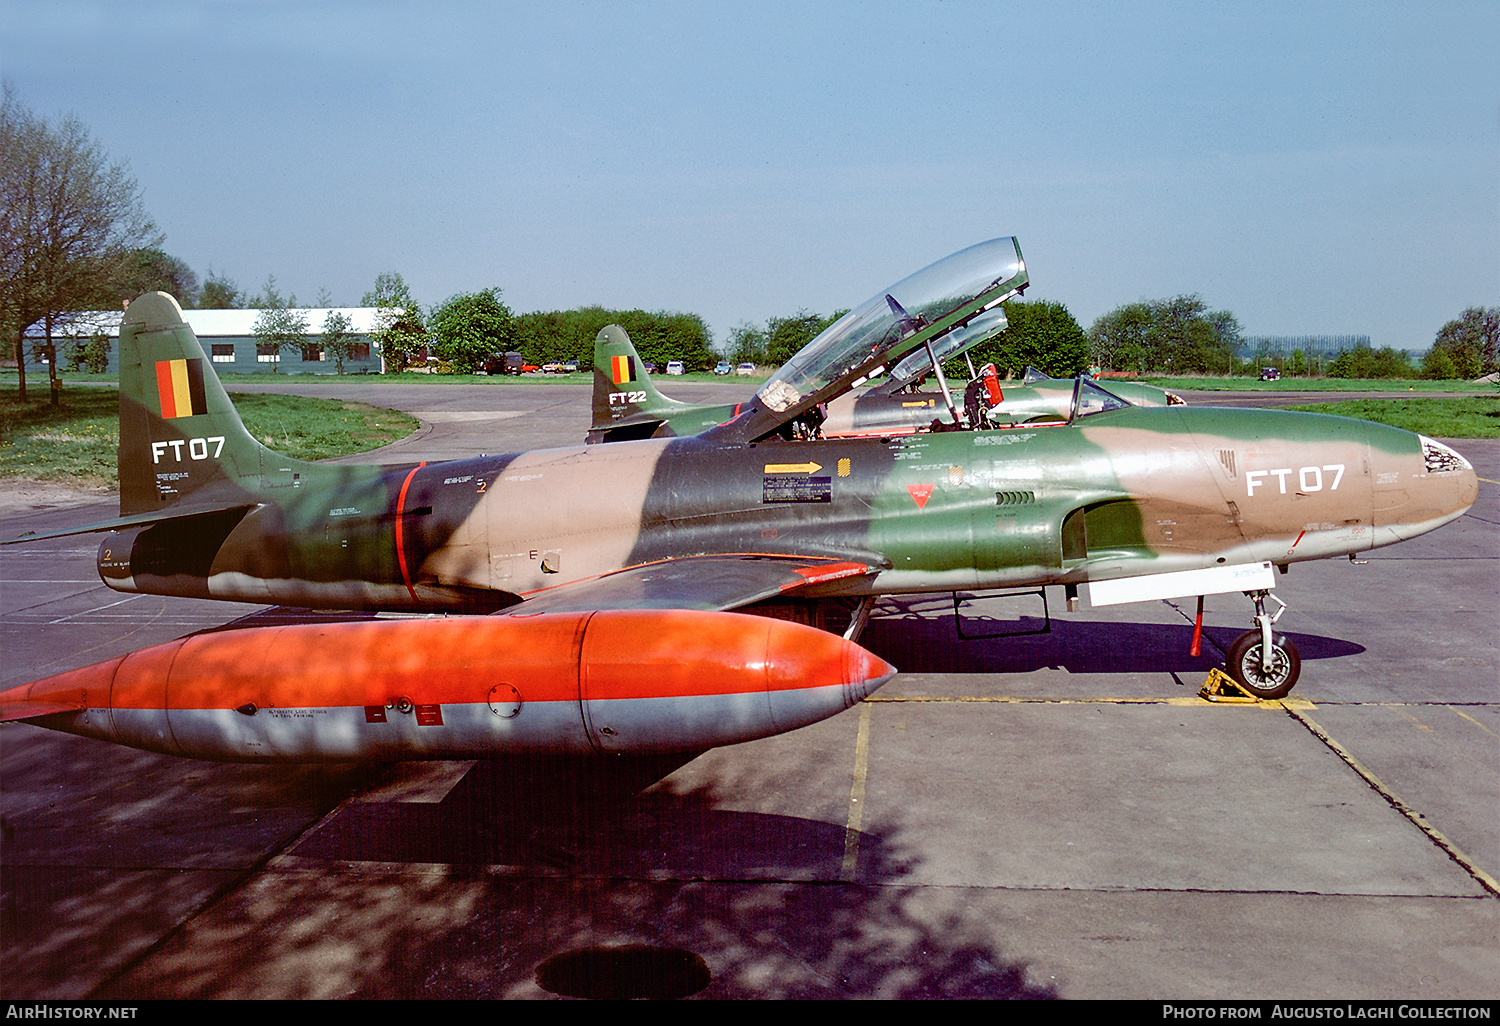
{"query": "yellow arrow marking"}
[(793, 468)]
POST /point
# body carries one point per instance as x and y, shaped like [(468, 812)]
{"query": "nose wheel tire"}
[(1244, 665)]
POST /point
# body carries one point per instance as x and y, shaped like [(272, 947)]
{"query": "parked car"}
[(745, 369), (723, 367), (675, 367), (570, 367), (1270, 374), (503, 363), (552, 367)]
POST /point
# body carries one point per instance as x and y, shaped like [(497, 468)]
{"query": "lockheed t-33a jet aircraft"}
[(597, 585)]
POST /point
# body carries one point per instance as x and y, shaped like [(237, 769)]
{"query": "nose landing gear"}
[(1264, 663)]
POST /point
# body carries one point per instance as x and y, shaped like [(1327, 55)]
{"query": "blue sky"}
[(1315, 168)]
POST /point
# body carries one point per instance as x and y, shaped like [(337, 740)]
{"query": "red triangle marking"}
[(920, 494)]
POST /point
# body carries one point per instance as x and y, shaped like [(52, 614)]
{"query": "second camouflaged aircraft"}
[(1135, 502), (627, 404)]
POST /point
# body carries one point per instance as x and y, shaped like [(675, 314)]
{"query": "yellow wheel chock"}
[(1221, 687)]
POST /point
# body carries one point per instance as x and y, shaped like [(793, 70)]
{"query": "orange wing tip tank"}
[(461, 687)]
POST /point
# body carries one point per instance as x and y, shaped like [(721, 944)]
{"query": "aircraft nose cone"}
[(1451, 476), (864, 673), (1417, 488)]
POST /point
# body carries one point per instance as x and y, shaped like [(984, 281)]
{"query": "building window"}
[(359, 351), (312, 354), (267, 354), (223, 352)]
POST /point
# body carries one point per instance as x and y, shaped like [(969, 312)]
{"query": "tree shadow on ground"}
[(528, 859)]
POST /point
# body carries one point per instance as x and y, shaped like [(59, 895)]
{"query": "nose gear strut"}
[(1264, 663)]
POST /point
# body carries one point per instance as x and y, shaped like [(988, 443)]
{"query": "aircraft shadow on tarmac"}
[(908, 635), (585, 854), (914, 635)]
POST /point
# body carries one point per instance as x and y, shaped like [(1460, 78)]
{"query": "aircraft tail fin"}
[(179, 433), (622, 387)]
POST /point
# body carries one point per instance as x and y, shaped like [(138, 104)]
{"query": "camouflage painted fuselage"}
[(1120, 493)]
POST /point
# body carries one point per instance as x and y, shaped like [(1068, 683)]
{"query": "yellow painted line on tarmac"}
[(1488, 481), (1437, 837), (1472, 720), (1017, 700), (1297, 708), (1414, 721), (856, 795)]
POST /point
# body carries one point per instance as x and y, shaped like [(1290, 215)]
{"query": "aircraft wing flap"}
[(696, 582)]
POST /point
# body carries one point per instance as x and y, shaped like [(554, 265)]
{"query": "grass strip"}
[(1290, 384), (76, 441), (1437, 416)]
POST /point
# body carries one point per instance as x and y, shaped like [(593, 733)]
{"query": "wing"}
[(694, 582)]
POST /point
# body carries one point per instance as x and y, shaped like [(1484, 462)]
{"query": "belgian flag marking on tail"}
[(179, 383), (622, 369)]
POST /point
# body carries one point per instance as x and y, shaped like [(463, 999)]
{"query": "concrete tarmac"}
[(1054, 816)]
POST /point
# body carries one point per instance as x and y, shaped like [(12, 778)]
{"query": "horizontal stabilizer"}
[(134, 520)]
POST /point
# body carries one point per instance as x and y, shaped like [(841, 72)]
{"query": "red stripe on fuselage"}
[(400, 532)]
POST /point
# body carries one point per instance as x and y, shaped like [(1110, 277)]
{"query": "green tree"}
[(1041, 334), (280, 325), (400, 332), (220, 292), (1179, 335), (270, 297), (69, 217), (661, 336), (1187, 338), (1364, 362), (786, 336), (75, 349), (338, 339), (1119, 339), (96, 353), (1470, 341), (1227, 339), (151, 270), (470, 326), (1438, 365), (747, 344), (780, 339)]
